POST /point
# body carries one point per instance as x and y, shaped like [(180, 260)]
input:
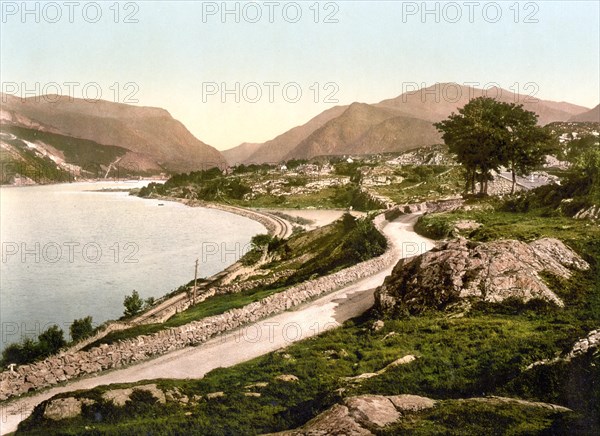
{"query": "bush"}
[(28, 350), (81, 328), (50, 341), (133, 304)]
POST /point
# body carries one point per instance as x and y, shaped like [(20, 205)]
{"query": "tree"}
[(51, 340), (20, 353), (81, 328), (486, 134), (525, 144), (133, 304), (261, 242)]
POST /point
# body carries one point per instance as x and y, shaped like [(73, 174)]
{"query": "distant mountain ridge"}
[(591, 116), (392, 125), (154, 138)]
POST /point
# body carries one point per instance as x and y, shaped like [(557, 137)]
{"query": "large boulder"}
[(461, 269), (357, 416)]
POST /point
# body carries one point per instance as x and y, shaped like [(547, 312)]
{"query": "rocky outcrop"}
[(65, 408), (491, 272), (357, 415), (366, 415), (584, 345)]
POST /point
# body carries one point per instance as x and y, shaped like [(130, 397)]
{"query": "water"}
[(69, 252)]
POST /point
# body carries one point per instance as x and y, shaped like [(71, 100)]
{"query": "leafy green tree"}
[(51, 340), (81, 328), (133, 304), (258, 242), (20, 353), (525, 144), (486, 134), (475, 137), (149, 302)]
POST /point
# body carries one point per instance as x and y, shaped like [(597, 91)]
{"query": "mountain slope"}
[(241, 153), (393, 125), (591, 116), (276, 149), (337, 136), (436, 102), (149, 132), (397, 134)]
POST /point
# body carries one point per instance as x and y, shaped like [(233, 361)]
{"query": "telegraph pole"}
[(195, 279)]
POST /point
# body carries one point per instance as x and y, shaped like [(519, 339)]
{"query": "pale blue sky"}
[(374, 50)]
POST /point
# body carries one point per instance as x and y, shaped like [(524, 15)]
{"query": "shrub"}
[(81, 328)]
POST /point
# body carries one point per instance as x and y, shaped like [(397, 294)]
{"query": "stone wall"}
[(70, 365)]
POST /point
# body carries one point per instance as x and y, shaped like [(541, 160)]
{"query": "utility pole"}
[(195, 279)]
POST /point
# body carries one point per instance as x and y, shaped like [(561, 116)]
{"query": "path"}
[(250, 341)]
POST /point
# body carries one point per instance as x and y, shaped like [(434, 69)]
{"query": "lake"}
[(69, 252)]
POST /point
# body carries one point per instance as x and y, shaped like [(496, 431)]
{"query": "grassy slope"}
[(482, 353)]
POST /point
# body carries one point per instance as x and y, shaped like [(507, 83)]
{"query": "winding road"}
[(251, 341)]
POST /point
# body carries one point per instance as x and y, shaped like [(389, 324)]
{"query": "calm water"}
[(68, 252)]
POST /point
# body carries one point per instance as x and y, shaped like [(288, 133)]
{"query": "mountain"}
[(338, 135), (591, 116), (396, 134), (151, 135), (277, 149), (241, 153), (436, 102), (392, 125)]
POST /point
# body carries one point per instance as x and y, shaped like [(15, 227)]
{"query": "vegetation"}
[(304, 256), (477, 355), (133, 304), (28, 350), (81, 328), (423, 183), (486, 134)]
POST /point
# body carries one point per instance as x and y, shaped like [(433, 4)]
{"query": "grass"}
[(424, 185), (485, 352), (212, 306), (457, 358), (477, 418)]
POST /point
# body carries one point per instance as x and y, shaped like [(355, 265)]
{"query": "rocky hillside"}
[(491, 272), (151, 134)]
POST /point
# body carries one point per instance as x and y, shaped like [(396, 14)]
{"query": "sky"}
[(236, 72)]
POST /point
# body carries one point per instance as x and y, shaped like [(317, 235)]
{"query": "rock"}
[(252, 394), (372, 410), (257, 385), (411, 403), (402, 361), (65, 408), (287, 378), (377, 325), (214, 395), (335, 421), (359, 414), (120, 396), (361, 377), (460, 269), (465, 226)]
